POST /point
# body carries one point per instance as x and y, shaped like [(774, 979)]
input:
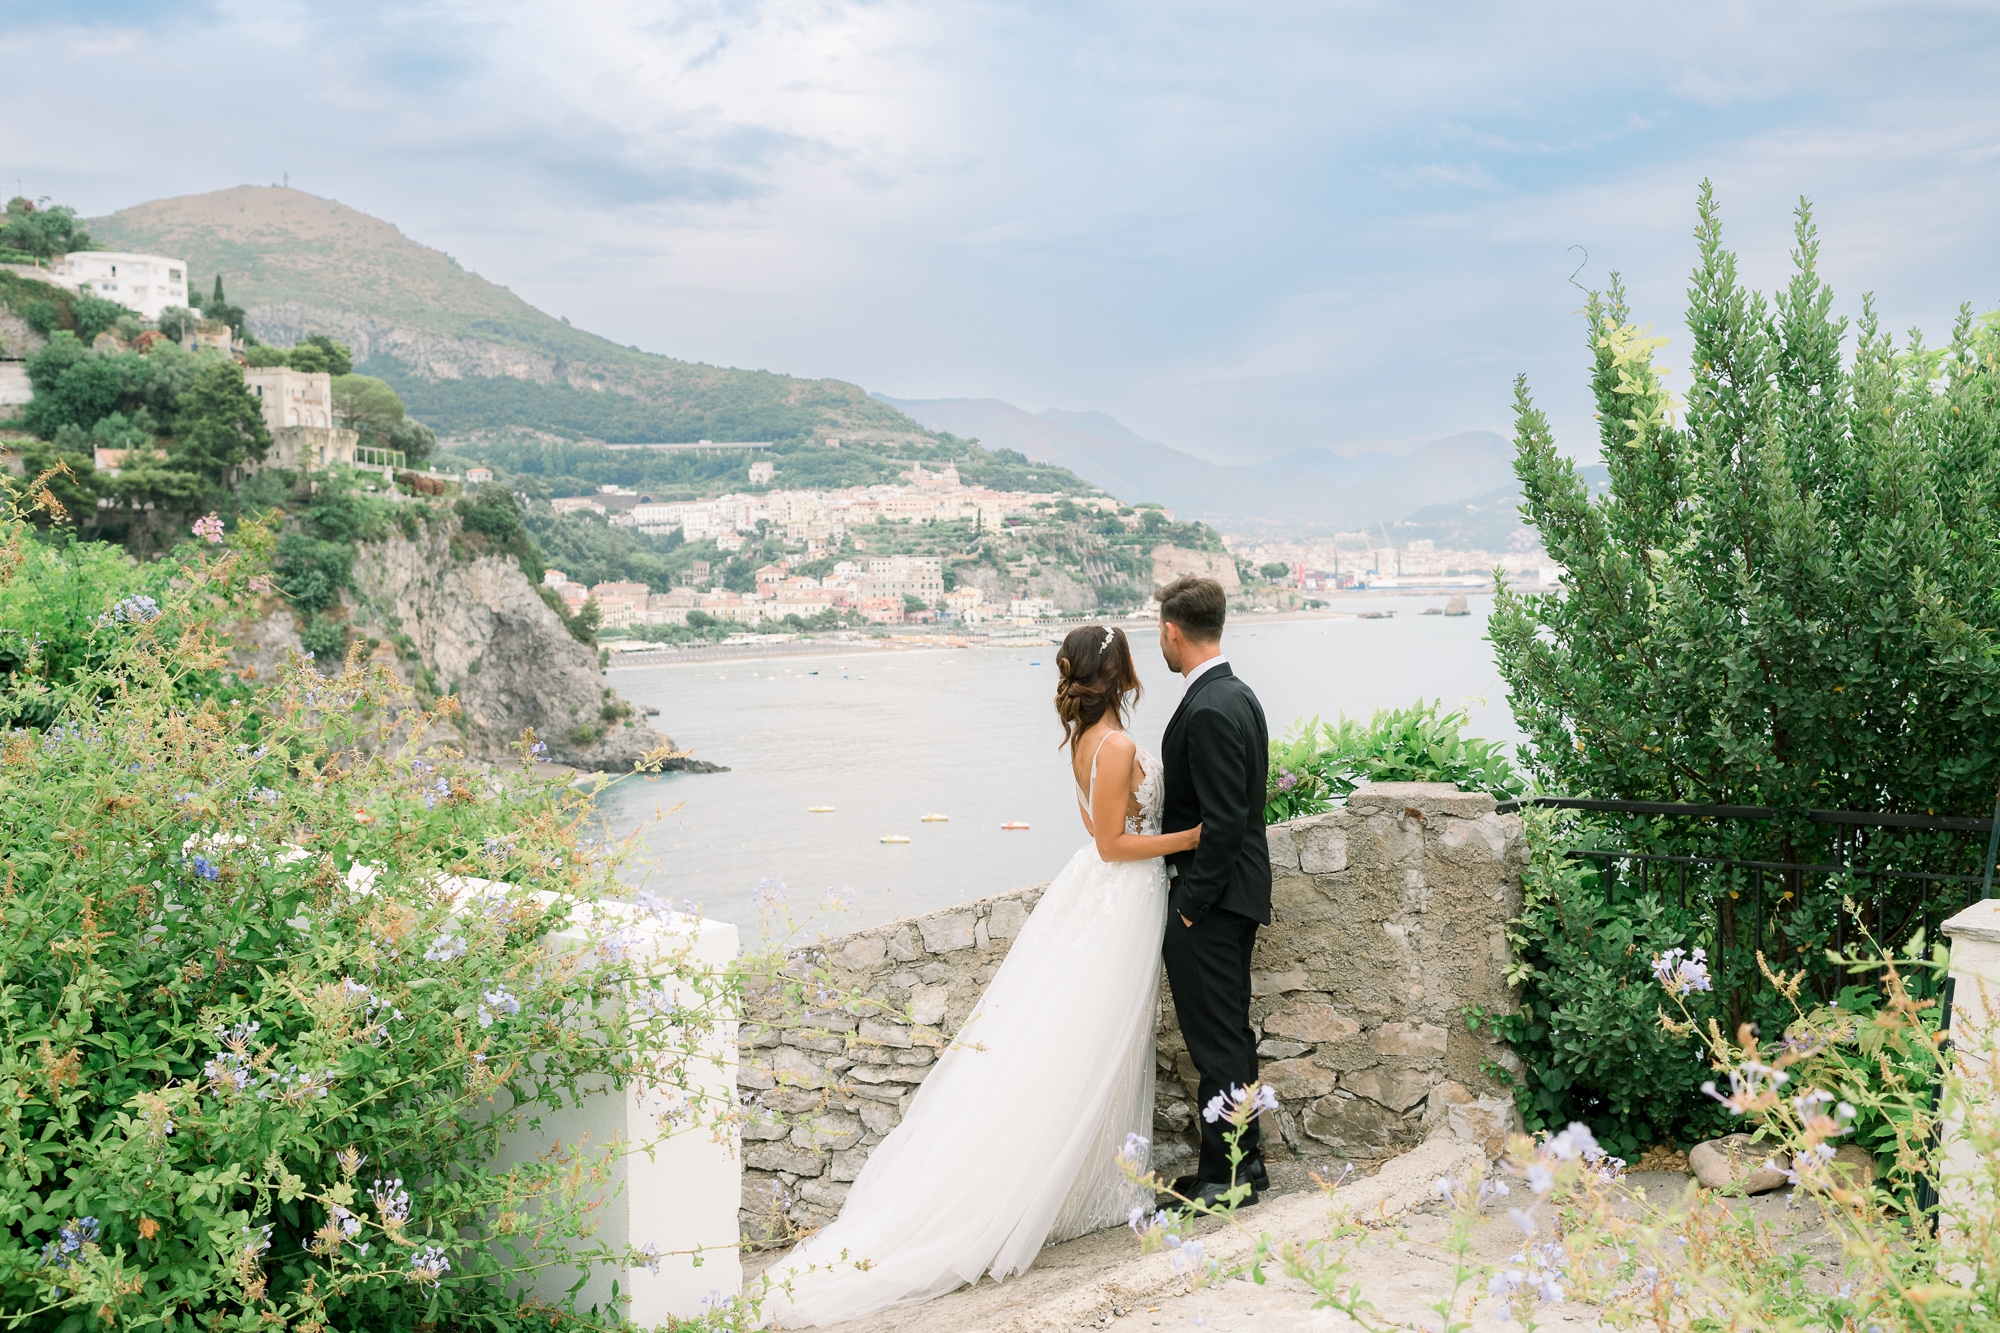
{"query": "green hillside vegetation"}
[(279, 246), (747, 405), (544, 467), (45, 308)]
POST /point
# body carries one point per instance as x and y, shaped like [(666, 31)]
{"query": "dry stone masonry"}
[(1388, 922)]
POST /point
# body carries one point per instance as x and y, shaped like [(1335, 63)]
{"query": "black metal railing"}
[(1901, 899), (1893, 880)]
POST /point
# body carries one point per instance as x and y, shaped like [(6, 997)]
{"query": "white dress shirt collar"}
[(1194, 673)]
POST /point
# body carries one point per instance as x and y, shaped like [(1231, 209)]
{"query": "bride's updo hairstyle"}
[(1096, 677)]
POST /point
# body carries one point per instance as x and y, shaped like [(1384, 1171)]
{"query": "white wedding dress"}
[(1012, 1141)]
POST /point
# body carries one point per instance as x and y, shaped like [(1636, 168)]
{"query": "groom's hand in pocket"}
[(1185, 922)]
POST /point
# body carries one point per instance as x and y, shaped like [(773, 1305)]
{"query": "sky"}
[(1241, 229)]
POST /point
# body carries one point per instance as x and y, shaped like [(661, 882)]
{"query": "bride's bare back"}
[(1109, 773)]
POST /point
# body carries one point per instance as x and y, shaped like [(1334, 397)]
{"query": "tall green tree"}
[(217, 307), (1789, 597), (221, 424), (365, 404), (46, 231), (1791, 594)]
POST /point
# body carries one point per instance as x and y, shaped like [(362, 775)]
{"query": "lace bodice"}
[(1150, 795)]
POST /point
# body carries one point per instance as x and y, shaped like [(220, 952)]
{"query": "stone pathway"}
[(1103, 1281)]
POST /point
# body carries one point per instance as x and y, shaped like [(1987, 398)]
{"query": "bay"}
[(887, 737)]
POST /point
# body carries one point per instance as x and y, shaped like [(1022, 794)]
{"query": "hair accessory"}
[(1108, 632)]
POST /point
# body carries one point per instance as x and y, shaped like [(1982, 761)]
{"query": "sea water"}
[(886, 738)]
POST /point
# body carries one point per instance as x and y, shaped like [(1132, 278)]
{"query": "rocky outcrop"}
[(478, 629), (428, 355), (1172, 562)]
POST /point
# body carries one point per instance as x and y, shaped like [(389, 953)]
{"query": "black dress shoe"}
[(1217, 1196), (1210, 1192)]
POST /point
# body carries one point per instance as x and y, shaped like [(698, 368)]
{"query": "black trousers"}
[(1208, 966)]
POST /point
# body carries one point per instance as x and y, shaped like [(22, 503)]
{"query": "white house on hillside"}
[(145, 283)]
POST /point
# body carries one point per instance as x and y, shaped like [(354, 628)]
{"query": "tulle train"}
[(1012, 1141)]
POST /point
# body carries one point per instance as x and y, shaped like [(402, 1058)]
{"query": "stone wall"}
[(1388, 920)]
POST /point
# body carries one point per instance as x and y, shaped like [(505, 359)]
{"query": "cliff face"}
[(477, 629)]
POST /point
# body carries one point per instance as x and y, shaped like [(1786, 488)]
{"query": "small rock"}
[(876, 1032), (1311, 1022), (1735, 1160), (947, 932), (1007, 918), (1277, 983), (1281, 1050), (1408, 1039), (1295, 1079), (927, 1004), (1853, 1165), (863, 952)]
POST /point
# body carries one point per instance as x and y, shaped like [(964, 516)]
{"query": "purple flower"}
[(1681, 972), (1287, 779), (428, 1266), (498, 1001), (205, 868)]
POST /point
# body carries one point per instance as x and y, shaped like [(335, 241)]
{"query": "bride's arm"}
[(1115, 764)]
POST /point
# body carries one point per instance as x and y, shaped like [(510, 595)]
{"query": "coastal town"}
[(894, 589)]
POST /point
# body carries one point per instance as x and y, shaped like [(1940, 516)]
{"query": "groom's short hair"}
[(1197, 605)]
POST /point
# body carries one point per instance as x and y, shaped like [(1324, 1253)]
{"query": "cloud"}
[(1234, 227)]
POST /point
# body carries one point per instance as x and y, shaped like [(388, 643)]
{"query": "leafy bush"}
[(325, 639), (262, 1037), (490, 523), (94, 315), (1588, 1031), (312, 573), (69, 604), (1316, 764)]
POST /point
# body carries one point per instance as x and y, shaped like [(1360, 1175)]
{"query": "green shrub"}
[(312, 573), (490, 524), (1316, 764), (245, 978), (325, 639), (95, 315), (1588, 1031)]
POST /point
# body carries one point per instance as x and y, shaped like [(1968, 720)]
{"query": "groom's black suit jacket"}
[(1217, 757)]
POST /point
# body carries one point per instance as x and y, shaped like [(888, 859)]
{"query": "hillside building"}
[(147, 284), (298, 409), (898, 576)]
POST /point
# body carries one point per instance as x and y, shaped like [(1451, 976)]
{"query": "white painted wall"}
[(683, 1194), (1975, 1026), (145, 283)]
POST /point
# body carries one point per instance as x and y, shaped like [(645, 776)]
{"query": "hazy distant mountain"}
[(1269, 498), (1488, 522), (466, 353), (1098, 423), (1343, 468)]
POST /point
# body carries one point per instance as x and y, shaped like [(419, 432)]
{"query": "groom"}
[(1217, 757)]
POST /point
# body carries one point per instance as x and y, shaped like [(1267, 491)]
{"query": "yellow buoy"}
[(894, 837), (819, 809), (937, 819)]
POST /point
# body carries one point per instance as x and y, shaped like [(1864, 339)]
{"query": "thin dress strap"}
[(1090, 796)]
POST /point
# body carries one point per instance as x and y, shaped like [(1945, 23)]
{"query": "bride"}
[(1012, 1141)]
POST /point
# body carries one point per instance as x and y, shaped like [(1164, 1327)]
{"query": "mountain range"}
[(468, 355), (1309, 490)]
